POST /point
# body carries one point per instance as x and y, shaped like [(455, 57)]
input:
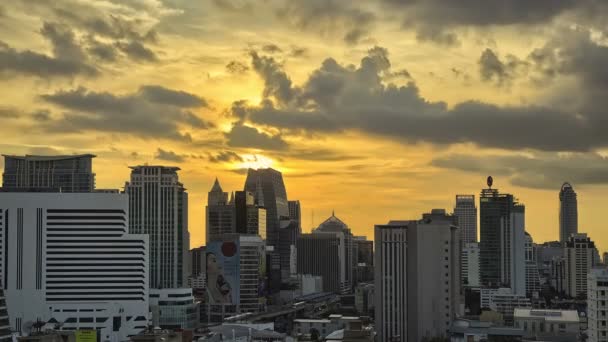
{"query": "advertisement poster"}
[(223, 272)]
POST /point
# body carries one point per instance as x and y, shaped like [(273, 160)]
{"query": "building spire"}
[(333, 212), (216, 186)]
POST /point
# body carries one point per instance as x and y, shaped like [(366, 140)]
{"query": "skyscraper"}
[(417, 277), (323, 255), (158, 207), (466, 215), (597, 283), (281, 231), (502, 241), (579, 260), (568, 212), (219, 214), (68, 259), (48, 173), (390, 281)]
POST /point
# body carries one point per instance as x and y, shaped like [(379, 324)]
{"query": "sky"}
[(378, 110)]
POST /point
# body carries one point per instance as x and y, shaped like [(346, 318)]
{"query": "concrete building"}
[(197, 264), (69, 260), (605, 258), (544, 254), (578, 261), (463, 330), (158, 207), (548, 325), (364, 298), (310, 284), (417, 277), (5, 324), (219, 214), (466, 216), (48, 173), (323, 326), (532, 275), (568, 212), (502, 240), (503, 301), (174, 308), (470, 264), (597, 307), (390, 281)]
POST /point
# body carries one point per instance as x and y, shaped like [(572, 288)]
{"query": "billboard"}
[(86, 335), (223, 272)]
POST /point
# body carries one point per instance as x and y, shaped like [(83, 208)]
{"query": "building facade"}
[(568, 212), (323, 255), (532, 274), (466, 216), (597, 308), (174, 308), (578, 259), (158, 207), (548, 325), (48, 173), (470, 265), (503, 301), (220, 215), (502, 241), (390, 281), (69, 260)]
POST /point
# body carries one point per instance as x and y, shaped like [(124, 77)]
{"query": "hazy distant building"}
[(470, 264), (532, 275), (597, 283), (295, 212), (579, 259), (269, 191), (365, 259), (220, 216), (67, 258), (568, 212), (417, 277), (197, 265), (158, 207), (466, 216), (502, 240), (48, 173)]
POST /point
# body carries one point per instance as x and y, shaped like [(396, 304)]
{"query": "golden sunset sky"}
[(378, 109)]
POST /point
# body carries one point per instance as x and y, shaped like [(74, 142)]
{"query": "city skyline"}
[(293, 85)]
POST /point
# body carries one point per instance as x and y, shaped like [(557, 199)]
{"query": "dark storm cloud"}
[(102, 51), (225, 157), (27, 62), (64, 42), (158, 94), (329, 18), (250, 137), (168, 156), (542, 170), (151, 114), (271, 48), (337, 97), (298, 52)]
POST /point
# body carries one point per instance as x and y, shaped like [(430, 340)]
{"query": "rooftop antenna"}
[(490, 181)]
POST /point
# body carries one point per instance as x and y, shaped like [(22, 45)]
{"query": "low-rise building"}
[(463, 330), (548, 325), (173, 308), (324, 327), (504, 301)]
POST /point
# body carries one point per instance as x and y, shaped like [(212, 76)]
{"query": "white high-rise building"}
[(579, 259), (466, 216), (390, 272), (68, 260), (532, 275), (597, 309), (158, 207), (470, 264), (422, 258)]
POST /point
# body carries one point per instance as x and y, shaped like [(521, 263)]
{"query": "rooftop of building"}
[(487, 328), (49, 158), (564, 316), (163, 167)]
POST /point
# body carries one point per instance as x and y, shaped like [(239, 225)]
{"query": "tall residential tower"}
[(158, 207), (568, 212), (466, 215)]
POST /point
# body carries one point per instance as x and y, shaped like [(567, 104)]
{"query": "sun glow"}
[(255, 161)]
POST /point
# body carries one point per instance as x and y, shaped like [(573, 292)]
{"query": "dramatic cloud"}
[(271, 48), (541, 170), (153, 112), (225, 157), (329, 18), (168, 156), (337, 97), (137, 51), (492, 68), (235, 67), (250, 137)]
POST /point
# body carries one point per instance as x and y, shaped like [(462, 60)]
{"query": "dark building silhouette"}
[(48, 173), (319, 254), (568, 212)]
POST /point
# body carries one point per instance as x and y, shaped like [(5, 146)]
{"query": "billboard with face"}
[(223, 272)]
